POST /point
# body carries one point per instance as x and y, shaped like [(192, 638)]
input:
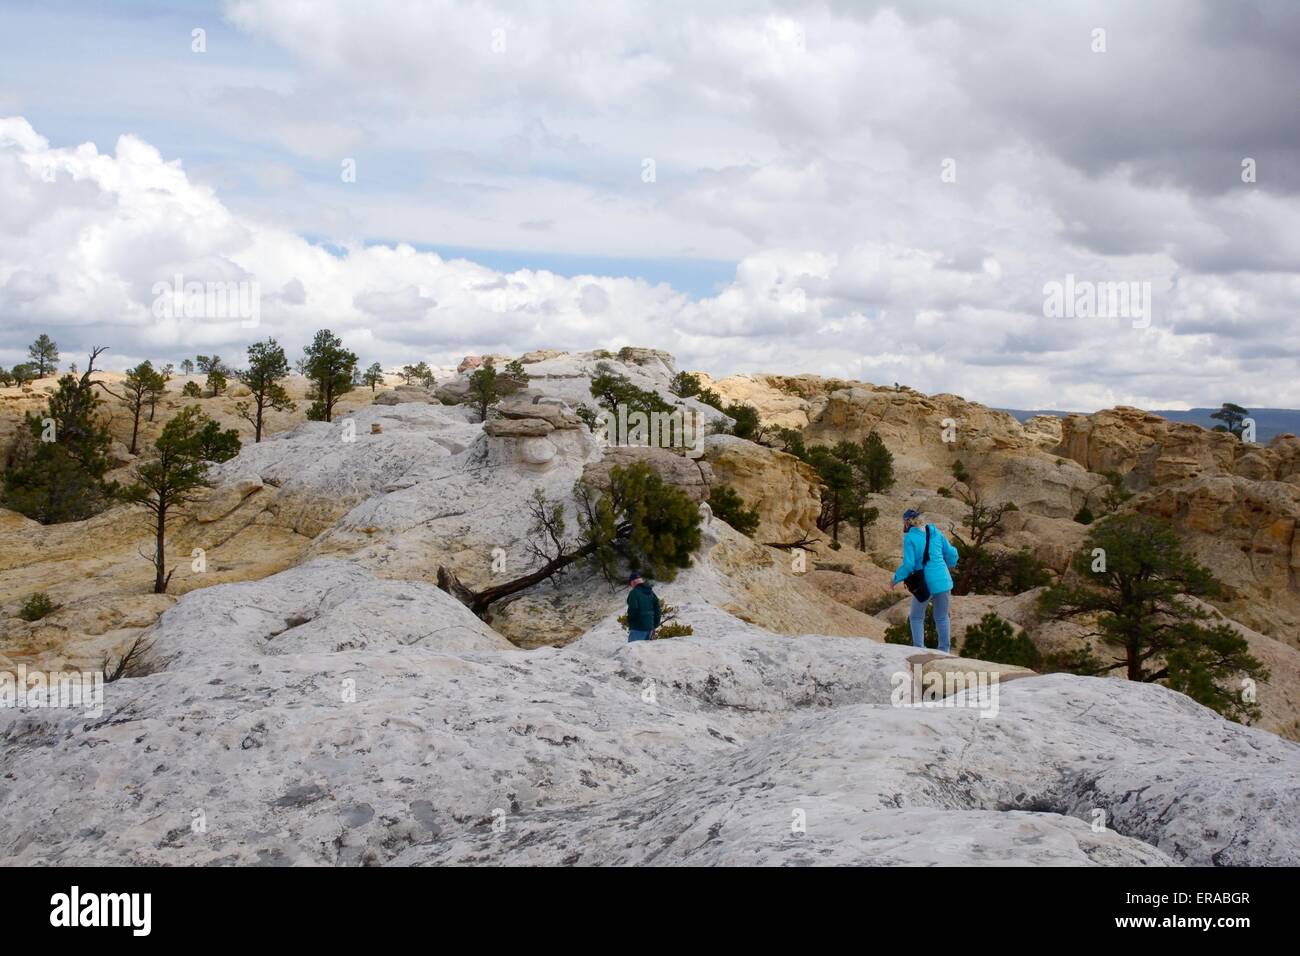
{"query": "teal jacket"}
[(942, 557), (642, 608)]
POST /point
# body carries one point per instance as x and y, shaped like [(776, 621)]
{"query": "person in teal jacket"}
[(642, 609), (942, 558)]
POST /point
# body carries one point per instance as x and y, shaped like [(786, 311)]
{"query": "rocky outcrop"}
[(1246, 532), (691, 475), (471, 362), (783, 489)]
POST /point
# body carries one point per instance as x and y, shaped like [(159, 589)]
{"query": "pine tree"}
[(727, 505), (1131, 580), (484, 391), (140, 383), (374, 375), (267, 368), (217, 381), (44, 355), (167, 481), (1232, 416), (328, 366)]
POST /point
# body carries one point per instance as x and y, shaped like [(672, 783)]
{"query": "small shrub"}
[(676, 629), (36, 607), (1084, 515), (669, 626), (902, 633), (192, 390), (993, 639)]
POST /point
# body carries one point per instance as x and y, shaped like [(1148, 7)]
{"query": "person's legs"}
[(942, 624), (637, 636), (917, 619)]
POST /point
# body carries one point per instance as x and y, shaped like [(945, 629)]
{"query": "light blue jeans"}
[(941, 623), (637, 635)]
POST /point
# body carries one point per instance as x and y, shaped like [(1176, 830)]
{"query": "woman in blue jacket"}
[(942, 557)]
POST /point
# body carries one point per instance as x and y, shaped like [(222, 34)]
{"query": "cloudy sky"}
[(876, 190)]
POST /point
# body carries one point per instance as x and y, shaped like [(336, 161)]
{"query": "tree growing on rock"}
[(484, 389), (57, 466), (158, 388), (685, 385), (1233, 417), (873, 474), (745, 422), (217, 382), (44, 355), (725, 503), (328, 366), (139, 383), (168, 480), (639, 518), (217, 444), (267, 369), (1131, 582), (374, 375), (612, 391), (836, 474), (417, 373)]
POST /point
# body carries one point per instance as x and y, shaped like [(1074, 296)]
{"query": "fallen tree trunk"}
[(480, 601)]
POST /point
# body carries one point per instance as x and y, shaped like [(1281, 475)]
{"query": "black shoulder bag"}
[(915, 582)]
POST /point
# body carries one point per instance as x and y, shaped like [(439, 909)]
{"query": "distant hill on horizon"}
[(1269, 422)]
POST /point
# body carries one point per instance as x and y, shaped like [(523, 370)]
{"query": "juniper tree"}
[(267, 368), (57, 466), (23, 372)]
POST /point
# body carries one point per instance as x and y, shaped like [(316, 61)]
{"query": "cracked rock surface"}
[(324, 716)]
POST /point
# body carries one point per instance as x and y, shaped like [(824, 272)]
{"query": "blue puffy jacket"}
[(942, 557)]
